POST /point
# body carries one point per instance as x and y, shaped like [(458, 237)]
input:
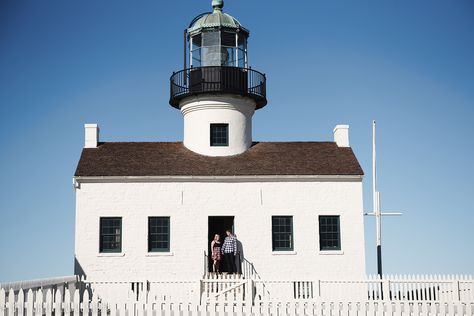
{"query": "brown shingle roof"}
[(173, 159)]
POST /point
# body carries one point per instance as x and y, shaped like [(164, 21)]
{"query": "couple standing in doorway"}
[(228, 250)]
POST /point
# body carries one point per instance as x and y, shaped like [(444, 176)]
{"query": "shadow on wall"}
[(78, 269), (240, 256)]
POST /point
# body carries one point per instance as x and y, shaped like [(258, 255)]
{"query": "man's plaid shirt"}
[(230, 245)]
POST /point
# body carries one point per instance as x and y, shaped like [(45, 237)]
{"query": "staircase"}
[(245, 269), (224, 287)]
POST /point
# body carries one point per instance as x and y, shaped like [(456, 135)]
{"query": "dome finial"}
[(218, 4)]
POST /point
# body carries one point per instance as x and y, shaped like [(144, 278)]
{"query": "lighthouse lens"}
[(215, 56), (218, 48)]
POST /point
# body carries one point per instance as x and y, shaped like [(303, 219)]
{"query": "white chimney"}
[(341, 135), (91, 136)]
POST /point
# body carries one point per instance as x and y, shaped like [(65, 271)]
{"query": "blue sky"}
[(409, 64)]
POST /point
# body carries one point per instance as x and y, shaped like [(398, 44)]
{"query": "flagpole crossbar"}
[(384, 214)]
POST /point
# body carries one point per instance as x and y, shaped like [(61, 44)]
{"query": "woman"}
[(216, 253)]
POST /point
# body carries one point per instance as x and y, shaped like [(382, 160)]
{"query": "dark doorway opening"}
[(218, 225)]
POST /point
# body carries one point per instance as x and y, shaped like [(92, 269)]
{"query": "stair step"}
[(222, 276)]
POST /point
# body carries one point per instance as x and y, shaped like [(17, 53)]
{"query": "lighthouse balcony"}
[(218, 80)]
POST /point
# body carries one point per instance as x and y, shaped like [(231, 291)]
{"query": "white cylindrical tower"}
[(218, 93)]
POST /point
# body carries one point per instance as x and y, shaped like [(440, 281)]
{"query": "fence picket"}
[(95, 305), (58, 303), (11, 303), (341, 309), (39, 303), (49, 303), (470, 309), (2, 302), (220, 308), (76, 306), (122, 308), (417, 309), (85, 303), (446, 309), (67, 302), (29, 303), (20, 303), (103, 308)]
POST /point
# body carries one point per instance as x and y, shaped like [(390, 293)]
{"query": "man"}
[(229, 249)]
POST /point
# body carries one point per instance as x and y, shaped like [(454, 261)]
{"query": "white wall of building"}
[(201, 111), (188, 204)]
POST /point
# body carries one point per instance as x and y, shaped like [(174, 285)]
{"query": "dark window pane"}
[(329, 233), (211, 38), (196, 41), (242, 40), (158, 234), (110, 234), (228, 39), (219, 134), (196, 62), (282, 233)]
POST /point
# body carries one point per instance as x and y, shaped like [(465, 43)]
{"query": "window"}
[(329, 233), (196, 42), (110, 234), (219, 134), (158, 234), (282, 233)]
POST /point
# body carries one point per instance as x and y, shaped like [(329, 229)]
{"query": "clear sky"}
[(409, 64)]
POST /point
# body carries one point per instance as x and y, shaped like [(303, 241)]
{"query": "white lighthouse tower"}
[(218, 92)]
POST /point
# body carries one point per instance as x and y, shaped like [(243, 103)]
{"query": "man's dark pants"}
[(230, 262)]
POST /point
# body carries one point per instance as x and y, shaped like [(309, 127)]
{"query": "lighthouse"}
[(217, 92), (151, 210)]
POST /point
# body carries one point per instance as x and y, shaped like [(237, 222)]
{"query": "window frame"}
[(211, 138), (158, 250), (101, 235), (291, 234), (338, 232)]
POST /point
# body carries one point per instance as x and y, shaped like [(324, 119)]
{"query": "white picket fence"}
[(403, 288), (39, 303), (238, 288), (233, 288), (220, 294), (65, 282)]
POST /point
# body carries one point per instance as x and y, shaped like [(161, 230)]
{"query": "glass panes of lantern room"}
[(218, 48)]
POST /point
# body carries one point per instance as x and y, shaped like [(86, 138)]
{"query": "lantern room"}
[(217, 39), (216, 60)]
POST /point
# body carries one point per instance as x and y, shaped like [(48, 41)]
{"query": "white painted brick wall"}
[(190, 203)]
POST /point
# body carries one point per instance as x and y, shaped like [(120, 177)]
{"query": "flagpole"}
[(376, 203), (376, 210)]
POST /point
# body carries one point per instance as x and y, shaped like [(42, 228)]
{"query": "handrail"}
[(206, 264), (218, 79), (38, 283)]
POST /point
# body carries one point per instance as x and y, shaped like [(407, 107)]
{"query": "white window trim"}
[(331, 252), (111, 254), (284, 252), (159, 254)]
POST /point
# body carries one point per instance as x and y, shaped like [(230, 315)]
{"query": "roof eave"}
[(240, 178)]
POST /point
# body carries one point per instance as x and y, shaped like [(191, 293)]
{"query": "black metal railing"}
[(218, 79)]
